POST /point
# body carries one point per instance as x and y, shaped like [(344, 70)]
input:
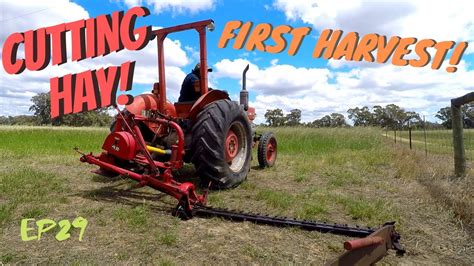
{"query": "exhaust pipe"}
[(244, 94)]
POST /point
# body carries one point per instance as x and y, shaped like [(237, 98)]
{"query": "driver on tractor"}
[(190, 89)]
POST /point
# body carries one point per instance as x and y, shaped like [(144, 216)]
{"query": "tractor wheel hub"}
[(231, 145)]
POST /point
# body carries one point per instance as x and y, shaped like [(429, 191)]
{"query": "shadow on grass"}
[(116, 192), (128, 196), (257, 168)]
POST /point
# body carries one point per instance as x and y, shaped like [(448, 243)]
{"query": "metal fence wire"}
[(434, 140)]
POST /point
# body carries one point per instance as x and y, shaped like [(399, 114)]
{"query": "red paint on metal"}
[(231, 145), (363, 242), (143, 102), (206, 99), (120, 144), (174, 189), (161, 34), (182, 109), (149, 102), (251, 113), (271, 151)]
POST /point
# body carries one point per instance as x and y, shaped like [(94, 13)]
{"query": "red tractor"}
[(153, 136)]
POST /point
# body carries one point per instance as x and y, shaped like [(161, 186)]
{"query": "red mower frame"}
[(157, 174)]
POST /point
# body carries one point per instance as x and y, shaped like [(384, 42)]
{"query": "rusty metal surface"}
[(369, 250)]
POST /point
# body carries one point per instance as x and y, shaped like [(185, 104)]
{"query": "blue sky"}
[(316, 86)]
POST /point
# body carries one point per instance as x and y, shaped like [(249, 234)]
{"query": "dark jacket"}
[(187, 92)]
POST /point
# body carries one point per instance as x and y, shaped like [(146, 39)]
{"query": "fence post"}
[(409, 132), (424, 133), (458, 141)]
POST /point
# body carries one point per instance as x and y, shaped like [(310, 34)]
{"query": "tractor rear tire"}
[(221, 145)]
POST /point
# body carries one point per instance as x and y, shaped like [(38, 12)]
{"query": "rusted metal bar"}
[(369, 250)]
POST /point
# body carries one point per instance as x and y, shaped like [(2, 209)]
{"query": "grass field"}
[(353, 176)]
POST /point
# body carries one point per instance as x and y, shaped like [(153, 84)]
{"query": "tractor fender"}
[(209, 97), (149, 101)]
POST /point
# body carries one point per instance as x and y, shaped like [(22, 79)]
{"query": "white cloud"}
[(276, 79), (438, 20), (419, 89), (20, 16), (175, 6), (17, 90), (317, 91)]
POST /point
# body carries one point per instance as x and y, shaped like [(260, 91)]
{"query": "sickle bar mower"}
[(152, 137), (136, 162)]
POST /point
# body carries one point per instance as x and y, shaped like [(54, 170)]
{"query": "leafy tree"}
[(333, 120), (379, 116), (337, 120), (4, 120), (390, 116), (444, 114), (360, 116), (275, 117), (293, 118), (42, 109), (396, 116)]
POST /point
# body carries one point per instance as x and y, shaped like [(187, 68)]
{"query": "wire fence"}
[(437, 141)]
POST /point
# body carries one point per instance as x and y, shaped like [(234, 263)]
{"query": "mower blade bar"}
[(338, 229)]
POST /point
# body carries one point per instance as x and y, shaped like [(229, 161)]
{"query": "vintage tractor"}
[(152, 136)]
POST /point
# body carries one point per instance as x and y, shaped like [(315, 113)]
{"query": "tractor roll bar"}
[(161, 34)]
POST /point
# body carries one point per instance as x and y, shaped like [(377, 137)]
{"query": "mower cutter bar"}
[(202, 211), (339, 229)]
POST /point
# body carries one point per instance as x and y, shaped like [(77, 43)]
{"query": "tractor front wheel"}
[(267, 150), (221, 144)]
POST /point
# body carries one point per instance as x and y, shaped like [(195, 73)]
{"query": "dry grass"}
[(347, 176)]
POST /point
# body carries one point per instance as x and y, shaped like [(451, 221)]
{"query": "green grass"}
[(135, 217), (168, 238), (371, 211), (21, 142), (323, 141), (23, 186), (276, 199), (348, 175)]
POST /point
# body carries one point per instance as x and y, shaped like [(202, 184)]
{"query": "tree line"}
[(391, 116), (41, 109)]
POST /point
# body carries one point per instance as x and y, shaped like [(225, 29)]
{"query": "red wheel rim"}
[(231, 145), (271, 151)]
